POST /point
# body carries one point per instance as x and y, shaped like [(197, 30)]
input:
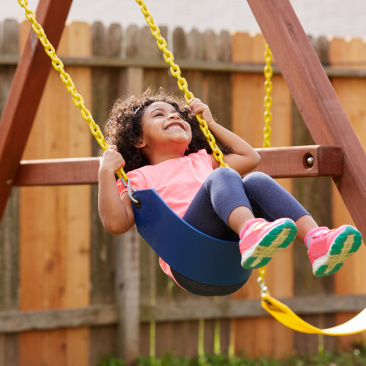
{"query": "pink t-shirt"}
[(176, 180)]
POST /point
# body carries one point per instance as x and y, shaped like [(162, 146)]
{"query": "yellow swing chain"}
[(66, 79), (268, 73), (182, 82)]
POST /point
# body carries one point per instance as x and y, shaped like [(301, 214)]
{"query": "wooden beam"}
[(26, 92), (278, 162), (315, 98), (196, 65), (57, 172), (231, 309), (15, 321), (301, 161), (206, 66)]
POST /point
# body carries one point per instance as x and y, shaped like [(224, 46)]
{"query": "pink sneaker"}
[(260, 240), (329, 249)]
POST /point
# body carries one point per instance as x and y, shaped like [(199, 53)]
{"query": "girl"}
[(156, 138)]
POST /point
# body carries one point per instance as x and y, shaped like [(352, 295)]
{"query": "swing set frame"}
[(339, 153)]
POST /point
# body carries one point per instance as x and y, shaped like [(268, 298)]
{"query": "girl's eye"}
[(158, 114)]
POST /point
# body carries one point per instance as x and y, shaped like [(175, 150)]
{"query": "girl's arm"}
[(116, 213), (242, 158)]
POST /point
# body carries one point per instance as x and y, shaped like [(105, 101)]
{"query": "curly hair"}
[(124, 126)]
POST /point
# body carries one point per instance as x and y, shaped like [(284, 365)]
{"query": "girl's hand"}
[(112, 160), (196, 107)]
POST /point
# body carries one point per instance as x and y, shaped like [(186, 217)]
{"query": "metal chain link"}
[(182, 82), (66, 79), (268, 73)]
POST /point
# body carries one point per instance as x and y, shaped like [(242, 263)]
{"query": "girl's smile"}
[(163, 123), (164, 132), (175, 125)]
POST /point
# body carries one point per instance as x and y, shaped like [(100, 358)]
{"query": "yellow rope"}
[(66, 79), (182, 82)]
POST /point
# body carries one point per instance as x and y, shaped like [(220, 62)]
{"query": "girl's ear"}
[(140, 144)]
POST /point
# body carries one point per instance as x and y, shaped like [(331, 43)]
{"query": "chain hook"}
[(130, 190)]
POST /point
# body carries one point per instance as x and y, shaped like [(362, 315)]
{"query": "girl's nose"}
[(174, 115)]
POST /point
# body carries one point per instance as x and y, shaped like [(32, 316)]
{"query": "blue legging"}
[(220, 194)]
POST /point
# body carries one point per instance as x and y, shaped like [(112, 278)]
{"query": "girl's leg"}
[(271, 201), (327, 249), (223, 209), (220, 203), (218, 197)]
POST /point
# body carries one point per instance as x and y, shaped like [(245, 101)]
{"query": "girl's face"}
[(164, 129)]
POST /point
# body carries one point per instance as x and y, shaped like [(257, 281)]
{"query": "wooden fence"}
[(71, 293)]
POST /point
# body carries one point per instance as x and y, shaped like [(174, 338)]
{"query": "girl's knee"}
[(257, 179), (225, 173)]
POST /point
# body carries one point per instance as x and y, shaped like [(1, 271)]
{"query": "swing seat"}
[(190, 252)]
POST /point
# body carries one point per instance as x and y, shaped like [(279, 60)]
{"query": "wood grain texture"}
[(54, 254), (9, 227), (351, 92), (282, 162), (315, 195), (247, 111)]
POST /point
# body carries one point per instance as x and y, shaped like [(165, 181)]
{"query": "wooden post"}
[(315, 98), (127, 264), (25, 94), (127, 250)]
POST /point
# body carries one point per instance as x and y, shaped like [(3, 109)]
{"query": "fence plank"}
[(58, 274), (248, 109), (105, 83), (217, 94), (9, 227), (315, 195)]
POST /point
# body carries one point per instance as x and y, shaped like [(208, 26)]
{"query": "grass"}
[(356, 357)]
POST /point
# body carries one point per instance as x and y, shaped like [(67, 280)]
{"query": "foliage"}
[(356, 357), (109, 360)]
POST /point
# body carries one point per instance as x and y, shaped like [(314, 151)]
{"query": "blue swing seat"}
[(190, 252)]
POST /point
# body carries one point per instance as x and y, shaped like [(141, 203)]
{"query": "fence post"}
[(127, 264), (127, 246)]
